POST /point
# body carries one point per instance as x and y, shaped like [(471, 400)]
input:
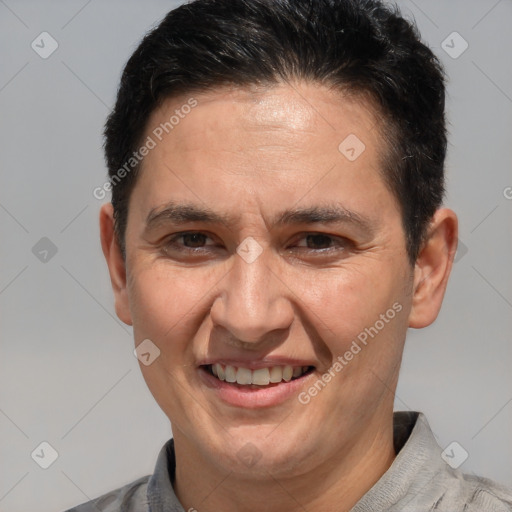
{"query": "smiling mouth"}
[(261, 377)]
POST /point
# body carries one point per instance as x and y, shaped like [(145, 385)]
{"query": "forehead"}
[(300, 139), (284, 116)]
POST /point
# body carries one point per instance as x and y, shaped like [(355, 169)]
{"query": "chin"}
[(253, 451)]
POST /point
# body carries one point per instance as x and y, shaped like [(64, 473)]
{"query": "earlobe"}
[(433, 267), (115, 262)]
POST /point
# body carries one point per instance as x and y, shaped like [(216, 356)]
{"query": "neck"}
[(341, 480)]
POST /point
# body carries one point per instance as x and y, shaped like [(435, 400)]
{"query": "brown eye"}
[(318, 241), (194, 240), (191, 243), (321, 245)]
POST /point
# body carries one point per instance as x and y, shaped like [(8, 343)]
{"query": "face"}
[(260, 251)]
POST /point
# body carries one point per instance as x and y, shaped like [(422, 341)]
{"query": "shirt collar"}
[(411, 476), (161, 497)]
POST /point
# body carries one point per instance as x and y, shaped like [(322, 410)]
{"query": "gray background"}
[(68, 374)]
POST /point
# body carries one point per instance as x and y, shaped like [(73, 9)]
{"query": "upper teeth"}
[(260, 377)]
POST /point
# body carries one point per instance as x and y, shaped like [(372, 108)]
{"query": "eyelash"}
[(170, 243)]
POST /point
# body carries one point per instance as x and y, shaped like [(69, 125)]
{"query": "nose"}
[(253, 303)]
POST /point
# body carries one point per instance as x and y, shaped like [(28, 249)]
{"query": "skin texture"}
[(249, 154)]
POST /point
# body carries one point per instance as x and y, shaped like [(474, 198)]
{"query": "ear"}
[(115, 262), (433, 267)]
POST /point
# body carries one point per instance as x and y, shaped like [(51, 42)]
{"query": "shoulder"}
[(457, 491), (484, 494), (129, 498), (425, 480)]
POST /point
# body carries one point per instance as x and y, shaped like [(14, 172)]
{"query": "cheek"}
[(344, 301), (163, 303)]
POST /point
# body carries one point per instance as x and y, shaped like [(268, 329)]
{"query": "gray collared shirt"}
[(419, 480)]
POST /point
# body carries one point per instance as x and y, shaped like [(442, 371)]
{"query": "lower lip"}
[(252, 397)]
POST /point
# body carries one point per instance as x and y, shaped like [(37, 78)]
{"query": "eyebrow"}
[(331, 214), (183, 213)]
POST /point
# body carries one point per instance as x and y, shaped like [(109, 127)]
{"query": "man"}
[(276, 169)]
